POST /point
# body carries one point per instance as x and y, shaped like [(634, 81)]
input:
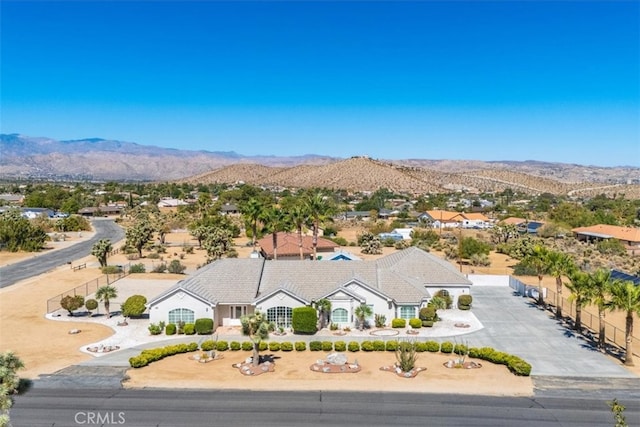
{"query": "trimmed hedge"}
[(222, 346), (432, 346), (379, 345), (204, 326), (367, 346), (300, 346), (415, 323), (155, 354), (286, 346), (170, 329), (208, 345), (464, 302), (516, 365), (315, 345), (327, 346), (263, 346), (398, 323), (446, 347), (247, 346), (304, 320), (274, 346), (340, 346), (235, 346), (354, 346), (391, 345), (189, 329)]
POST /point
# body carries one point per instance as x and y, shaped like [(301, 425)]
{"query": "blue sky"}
[(505, 80)]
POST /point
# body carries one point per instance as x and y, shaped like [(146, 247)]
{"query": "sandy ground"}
[(46, 346), (292, 372)]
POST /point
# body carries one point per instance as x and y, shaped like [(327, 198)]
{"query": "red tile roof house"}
[(628, 236), (289, 249), (396, 285)]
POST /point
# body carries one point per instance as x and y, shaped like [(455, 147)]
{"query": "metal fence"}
[(88, 288)]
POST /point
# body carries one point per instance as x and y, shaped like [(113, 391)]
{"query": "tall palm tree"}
[(625, 296), (299, 216), (537, 259), (362, 312), (105, 294), (319, 211), (580, 288), (600, 282), (253, 210), (559, 264), (275, 220), (324, 308)]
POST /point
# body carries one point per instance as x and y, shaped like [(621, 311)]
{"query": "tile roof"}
[(288, 244), (630, 234), (441, 215)]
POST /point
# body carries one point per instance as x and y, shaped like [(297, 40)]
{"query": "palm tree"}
[(559, 264), (105, 294), (319, 211), (362, 312), (625, 296), (275, 221), (253, 211), (537, 259), (299, 217), (600, 282), (580, 288), (324, 308)]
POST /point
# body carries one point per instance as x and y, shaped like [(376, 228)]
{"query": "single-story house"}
[(629, 236), (523, 225), (396, 286), (475, 220), (288, 246), (621, 275), (168, 202), (341, 256), (102, 210), (229, 209)]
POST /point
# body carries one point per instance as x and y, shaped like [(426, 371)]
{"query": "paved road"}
[(194, 408), (105, 229)]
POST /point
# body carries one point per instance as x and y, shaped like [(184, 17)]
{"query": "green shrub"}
[(208, 345), (286, 346), (421, 346), (465, 299), (222, 346), (379, 345), (235, 346), (154, 354), (301, 346), (160, 268), (247, 346), (415, 323), (446, 347), (154, 329), (315, 345), (428, 313), (391, 345), (304, 320), (137, 269), (428, 323), (263, 346), (354, 346), (366, 346), (71, 303), (138, 361), (204, 326), (134, 306), (398, 323), (460, 349), (515, 364), (380, 320), (327, 346), (170, 329), (189, 329), (176, 267), (340, 346), (153, 255), (192, 346), (433, 346), (90, 304), (274, 346), (111, 269)]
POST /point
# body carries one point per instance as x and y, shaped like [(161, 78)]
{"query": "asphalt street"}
[(13, 273)]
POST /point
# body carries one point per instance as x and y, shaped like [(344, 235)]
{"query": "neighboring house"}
[(229, 209), (171, 203), (523, 225), (404, 232), (102, 210), (441, 219), (629, 236), (475, 220), (341, 256), (33, 213), (621, 275), (289, 249), (396, 285), (12, 199)]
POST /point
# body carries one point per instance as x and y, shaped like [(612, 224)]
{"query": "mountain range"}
[(25, 157)]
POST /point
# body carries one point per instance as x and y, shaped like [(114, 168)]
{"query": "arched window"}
[(340, 315), (181, 314), (280, 315), (407, 312)]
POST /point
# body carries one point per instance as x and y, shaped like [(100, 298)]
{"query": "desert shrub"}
[(339, 241), (446, 347), (160, 268), (522, 269), (189, 329), (333, 326), (187, 249), (222, 345), (235, 346), (137, 268), (415, 323), (432, 346), (208, 345), (71, 303), (380, 320), (170, 329), (176, 267), (263, 346), (460, 349), (304, 320), (286, 346), (340, 346), (427, 313), (247, 346), (480, 260), (379, 345), (274, 346), (391, 345), (153, 255), (134, 306), (111, 269), (366, 346), (90, 304), (445, 295), (301, 346), (315, 345), (154, 329), (464, 302), (421, 346), (327, 346), (354, 346), (398, 323), (204, 326)]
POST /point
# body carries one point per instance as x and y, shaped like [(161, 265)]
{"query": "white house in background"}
[(171, 203), (404, 232), (396, 285)]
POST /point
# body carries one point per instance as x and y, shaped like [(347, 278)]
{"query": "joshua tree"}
[(362, 312), (139, 234), (559, 264), (9, 383), (625, 296), (101, 251), (257, 327), (106, 294)]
